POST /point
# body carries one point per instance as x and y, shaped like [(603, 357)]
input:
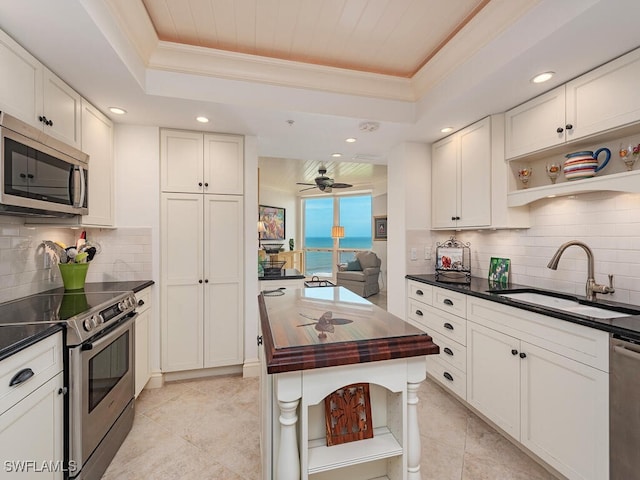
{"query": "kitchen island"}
[(316, 341)]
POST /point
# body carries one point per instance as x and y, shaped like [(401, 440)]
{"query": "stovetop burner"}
[(85, 312)]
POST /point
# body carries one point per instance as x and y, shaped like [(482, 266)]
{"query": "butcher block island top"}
[(326, 327)]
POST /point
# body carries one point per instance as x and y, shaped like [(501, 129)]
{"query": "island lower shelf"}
[(323, 458)]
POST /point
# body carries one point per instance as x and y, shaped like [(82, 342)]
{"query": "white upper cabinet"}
[(97, 141), (461, 178), (605, 98), (21, 85), (589, 107), (32, 93), (537, 124), (223, 164), (201, 163), (469, 180)]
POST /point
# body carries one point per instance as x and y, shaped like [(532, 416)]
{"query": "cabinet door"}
[(605, 98), (62, 107), (474, 207), (97, 141), (181, 161), (223, 164), (142, 365), (182, 277), (223, 311), (493, 376), (534, 125), (21, 86), (565, 413), (444, 183), (32, 430)]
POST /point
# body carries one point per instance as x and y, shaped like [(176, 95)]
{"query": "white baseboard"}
[(251, 368), (202, 372), (155, 381)]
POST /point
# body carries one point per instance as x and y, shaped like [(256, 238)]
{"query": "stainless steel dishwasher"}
[(624, 408)]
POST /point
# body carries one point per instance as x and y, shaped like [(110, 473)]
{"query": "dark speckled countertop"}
[(15, 338), (482, 288)]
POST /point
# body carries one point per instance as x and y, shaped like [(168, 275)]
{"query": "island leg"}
[(413, 433), (288, 463)]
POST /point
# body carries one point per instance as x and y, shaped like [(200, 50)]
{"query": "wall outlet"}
[(414, 253), (427, 252)]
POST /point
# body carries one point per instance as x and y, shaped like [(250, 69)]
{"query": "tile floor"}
[(209, 429)]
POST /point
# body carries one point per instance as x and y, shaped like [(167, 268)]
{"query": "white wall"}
[(409, 209), (277, 198), (379, 208)]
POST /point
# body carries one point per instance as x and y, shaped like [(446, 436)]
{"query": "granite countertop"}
[(14, 338), (628, 326), (325, 327)]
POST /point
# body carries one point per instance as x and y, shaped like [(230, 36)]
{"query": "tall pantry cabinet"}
[(202, 225)]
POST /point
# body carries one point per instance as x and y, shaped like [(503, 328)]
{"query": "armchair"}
[(363, 282)]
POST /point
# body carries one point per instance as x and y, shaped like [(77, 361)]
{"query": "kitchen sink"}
[(566, 304)]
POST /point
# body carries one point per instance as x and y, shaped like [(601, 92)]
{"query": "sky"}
[(355, 216)]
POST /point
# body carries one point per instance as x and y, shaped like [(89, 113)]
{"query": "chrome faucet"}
[(592, 287)]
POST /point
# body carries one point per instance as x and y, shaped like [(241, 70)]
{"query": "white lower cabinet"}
[(142, 338), (556, 406), (31, 412), (202, 281)]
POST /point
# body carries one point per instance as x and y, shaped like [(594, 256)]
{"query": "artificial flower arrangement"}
[(82, 252)]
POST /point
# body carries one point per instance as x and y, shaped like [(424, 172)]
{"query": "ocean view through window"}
[(320, 214)]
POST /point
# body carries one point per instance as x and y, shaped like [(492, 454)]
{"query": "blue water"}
[(321, 262)]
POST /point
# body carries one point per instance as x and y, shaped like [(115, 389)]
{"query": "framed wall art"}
[(499, 270), (380, 227), (274, 219)]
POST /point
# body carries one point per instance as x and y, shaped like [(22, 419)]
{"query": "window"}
[(319, 215)]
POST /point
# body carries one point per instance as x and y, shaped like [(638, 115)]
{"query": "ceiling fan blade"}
[(341, 185), (305, 189), (302, 183)]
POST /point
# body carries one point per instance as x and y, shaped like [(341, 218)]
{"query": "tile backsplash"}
[(609, 223), (125, 255)]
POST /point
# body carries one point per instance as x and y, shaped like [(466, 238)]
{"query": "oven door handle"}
[(108, 337)]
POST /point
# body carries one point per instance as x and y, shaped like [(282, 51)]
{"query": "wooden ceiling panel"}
[(393, 37)]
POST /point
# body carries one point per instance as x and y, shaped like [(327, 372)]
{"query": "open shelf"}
[(616, 182), (323, 458)]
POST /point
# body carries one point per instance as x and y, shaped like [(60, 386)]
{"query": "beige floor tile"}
[(209, 429)]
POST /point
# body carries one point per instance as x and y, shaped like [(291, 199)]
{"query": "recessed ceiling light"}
[(202, 119), (447, 129), (542, 77), (336, 155), (350, 140), (117, 110)]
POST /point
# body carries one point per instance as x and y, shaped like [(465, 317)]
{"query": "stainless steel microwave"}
[(40, 175)]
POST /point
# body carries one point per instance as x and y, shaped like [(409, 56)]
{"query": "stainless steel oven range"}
[(99, 365), (101, 384)]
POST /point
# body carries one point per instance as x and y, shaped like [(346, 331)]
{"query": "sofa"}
[(361, 275)]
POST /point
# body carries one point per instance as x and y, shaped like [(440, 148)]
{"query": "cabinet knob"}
[(419, 313), (523, 355), (448, 376), (206, 184), (140, 303), (448, 326), (199, 184), (206, 280), (514, 352), (49, 122), (42, 118), (559, 129), (62, 391), (419, 292), (453, 218), (200, 281), (448, 351), (457, 218), (568, 126)]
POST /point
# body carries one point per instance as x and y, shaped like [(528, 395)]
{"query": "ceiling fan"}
[(324, 183)]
